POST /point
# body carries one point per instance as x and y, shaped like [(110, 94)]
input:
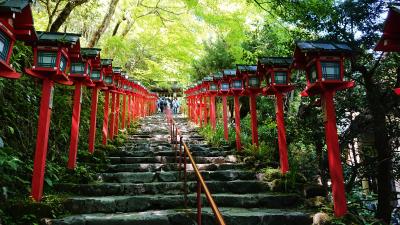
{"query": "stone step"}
[(113, 204), (170, 159), (107, 189), (232, 216), (170, 176), (151, 167), (152, 153)]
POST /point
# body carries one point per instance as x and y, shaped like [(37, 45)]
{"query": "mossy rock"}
[(315, 202), (271, 174)]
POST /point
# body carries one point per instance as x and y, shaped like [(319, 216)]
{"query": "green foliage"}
[(214, 138)]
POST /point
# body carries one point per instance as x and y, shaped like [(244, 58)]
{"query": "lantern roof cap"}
[(217, 76), (389, 41), (106, 62), (13, 5), (323, 46), (90, 52), (56, 37), (207, 79), (229, 72), (275, 61), (117, 69), (246, 68)]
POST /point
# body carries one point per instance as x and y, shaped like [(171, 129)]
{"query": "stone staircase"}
[(142, 186)]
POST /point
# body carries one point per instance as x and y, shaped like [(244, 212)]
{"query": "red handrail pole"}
[(123, 111), (76, 117), (280, 122), (198, 202), (253, 113), (225, 117), (180, 157), (335, 165), (112, 120), (237, 123), (185, 179), (106, 115), (212, 113), (117, 114), (42, 139), (93, 115)]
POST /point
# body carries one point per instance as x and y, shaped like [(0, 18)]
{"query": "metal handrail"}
[(201, 184)]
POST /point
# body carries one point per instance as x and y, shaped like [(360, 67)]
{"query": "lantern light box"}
[(249, 73), (51, 55), (16, 23), (277, 74), (390, 40), (323, 62), (224, 84)]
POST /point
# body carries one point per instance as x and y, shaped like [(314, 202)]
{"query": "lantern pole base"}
[(253, 112), (42, 139), (106, 115), (225, 117), (93, 119), (237, 123), (280, 122), (334, 160), (76, 117)]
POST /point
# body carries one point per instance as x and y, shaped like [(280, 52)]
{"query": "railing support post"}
[(185, 179), (180, 157), (198, 202)]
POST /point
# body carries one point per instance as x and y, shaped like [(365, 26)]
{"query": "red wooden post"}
[(201, 106), (117, 113), (112, 120), (129, 110), (253, 113), (237, 123), (225, 117), (123, 111), (280, 122), (42, 139), (76, 117), (335, 165), (106, 115), (93, 118)]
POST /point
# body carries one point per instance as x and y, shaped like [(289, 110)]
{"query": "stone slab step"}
[(170, 159), (113, 204), (107, 189), (151, 167), (169, 176), (156, 152), (232, 216)]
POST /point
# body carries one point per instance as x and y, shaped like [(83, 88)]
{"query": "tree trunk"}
[(104, 24), (382, 146), (63, 16)]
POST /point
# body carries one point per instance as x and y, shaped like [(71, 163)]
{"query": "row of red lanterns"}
[(323, 62), (58, 58), (324, 66)]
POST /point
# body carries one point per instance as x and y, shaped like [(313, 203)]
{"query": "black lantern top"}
[(390, 40)]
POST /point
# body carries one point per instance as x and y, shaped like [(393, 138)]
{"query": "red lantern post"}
[(16, 23), (237, 89), (213, 92), (80, 74), (390, 40), (92, 55), (224, 92), (51, 61), (252, 89), (277, 75), (324, 64)]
